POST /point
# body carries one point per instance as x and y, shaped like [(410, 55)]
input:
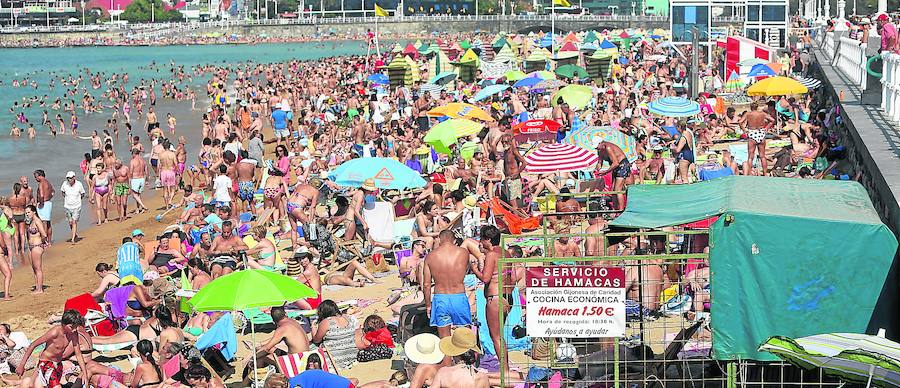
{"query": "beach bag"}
[(540, 348), (414, 320), (374, 353), (376, 263), (217, 361)]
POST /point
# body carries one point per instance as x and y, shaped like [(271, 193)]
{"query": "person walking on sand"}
[(170, 120), (73, 197), (121, 188), (167, 174), (37, 243), (42, 201), (138, 178)]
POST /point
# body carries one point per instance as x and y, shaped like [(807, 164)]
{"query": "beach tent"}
[(505, 54), (789, 257), (438, 63), (397, 48), (465, 45), (739, 49), (418, 44), (599, 65), (569, 46), (414, 69), (467, 64), (499, 44), (571, 37), (400, 72), (487, 52), (537, 61), (411, 51)]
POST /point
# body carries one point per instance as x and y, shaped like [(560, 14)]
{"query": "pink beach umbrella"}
[(559, 157)]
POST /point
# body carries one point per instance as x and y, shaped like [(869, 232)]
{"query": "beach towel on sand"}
[(117, 298), (512, 319), (221, 332)]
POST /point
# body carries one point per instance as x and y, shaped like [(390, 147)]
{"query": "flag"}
[(381, 12), (562, 3)]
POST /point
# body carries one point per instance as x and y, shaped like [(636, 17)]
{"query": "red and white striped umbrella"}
[(559, 158)]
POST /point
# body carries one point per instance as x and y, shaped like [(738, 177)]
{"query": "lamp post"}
[(82, 13)]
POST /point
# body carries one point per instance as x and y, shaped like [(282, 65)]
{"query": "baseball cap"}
[(136, 232), (70, 174)]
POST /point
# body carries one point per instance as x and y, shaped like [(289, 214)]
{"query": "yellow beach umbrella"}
[(777, 86), (460, 110)]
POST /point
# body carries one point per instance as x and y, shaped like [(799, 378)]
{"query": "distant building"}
[(33, 12), (765, 21)]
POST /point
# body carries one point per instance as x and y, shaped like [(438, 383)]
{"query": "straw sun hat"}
[(424, 349), (369, 185), (462, 340)]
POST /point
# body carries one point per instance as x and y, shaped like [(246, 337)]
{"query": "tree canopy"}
[(140, 11)]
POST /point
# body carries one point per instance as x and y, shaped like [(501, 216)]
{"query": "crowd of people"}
[(261, 194)]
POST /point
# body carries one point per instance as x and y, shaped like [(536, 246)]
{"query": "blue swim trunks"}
[(450, 309)]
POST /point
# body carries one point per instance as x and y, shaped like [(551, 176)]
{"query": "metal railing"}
[(851, 60), (890, 85), (314, 18)]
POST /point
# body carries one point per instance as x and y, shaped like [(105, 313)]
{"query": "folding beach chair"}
[(291, 365), (506, 216), (95, 318)]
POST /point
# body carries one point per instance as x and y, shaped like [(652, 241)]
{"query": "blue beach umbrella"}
[(527, 82), (588, 137), (547, 41), (674, 107), (607, 45), (378, 78), (443, 78), (387, 173), (490, 91), (761, 70)]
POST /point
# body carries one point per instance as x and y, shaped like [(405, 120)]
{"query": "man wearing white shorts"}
[(73, 195)]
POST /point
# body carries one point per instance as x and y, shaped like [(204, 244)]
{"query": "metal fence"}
[(667, 340)]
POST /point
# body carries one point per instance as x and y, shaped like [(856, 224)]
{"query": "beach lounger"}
[(106, 349), (380, 218)]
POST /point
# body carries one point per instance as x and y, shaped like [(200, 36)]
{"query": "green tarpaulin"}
[(790, 257)]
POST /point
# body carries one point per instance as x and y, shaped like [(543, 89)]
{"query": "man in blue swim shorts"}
[(446, 266)]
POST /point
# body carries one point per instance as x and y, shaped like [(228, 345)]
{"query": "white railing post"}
[(890, 85)]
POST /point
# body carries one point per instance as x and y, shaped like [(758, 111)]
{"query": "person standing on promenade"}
[(42, 202), (73, 194)]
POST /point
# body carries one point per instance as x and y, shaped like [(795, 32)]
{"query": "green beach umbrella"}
[(467, 150), (465, 45), (445, 134), (249, 288), (499, 43), (514, 75), (577, 96), (443, 78), (571, 71), (591, 37)]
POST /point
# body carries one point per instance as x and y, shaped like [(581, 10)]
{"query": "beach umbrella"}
[(734, 81), (858, 358), (560, 157), (607, 45), (388, 174), (490, 90), (542, 74), (571, 71), (434, 89), (810, 83), (443, 78), (527, 82), (247, 289), (752, 62), (447, 132), (536, 130), (761, 70), (514, 75), (674, 107), (378, 78), (577, 96), (588, 137), (657, 57), (460, 110), (549, 84), (777, 86)]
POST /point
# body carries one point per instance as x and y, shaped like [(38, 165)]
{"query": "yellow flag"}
[(562, 3), (380, 11)]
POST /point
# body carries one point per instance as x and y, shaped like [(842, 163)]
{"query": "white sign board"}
[(575, 302)]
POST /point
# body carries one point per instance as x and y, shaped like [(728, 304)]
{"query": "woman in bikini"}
[(17, 203), (309, 275), (264, 249), (424, 228), (101, 193), (6, 237), (147, 374), (37, 237), (273, 193), (108, 279)]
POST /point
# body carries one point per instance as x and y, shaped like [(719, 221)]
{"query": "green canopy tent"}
[(399, 72), (789, 257)]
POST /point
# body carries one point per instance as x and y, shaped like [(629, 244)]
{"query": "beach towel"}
[(221, 332), (84, 302), (117, 299), (380, 218), (292, 365), (171, 367), (512, 319), (403, 228), (128, 263), (707, 174)]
